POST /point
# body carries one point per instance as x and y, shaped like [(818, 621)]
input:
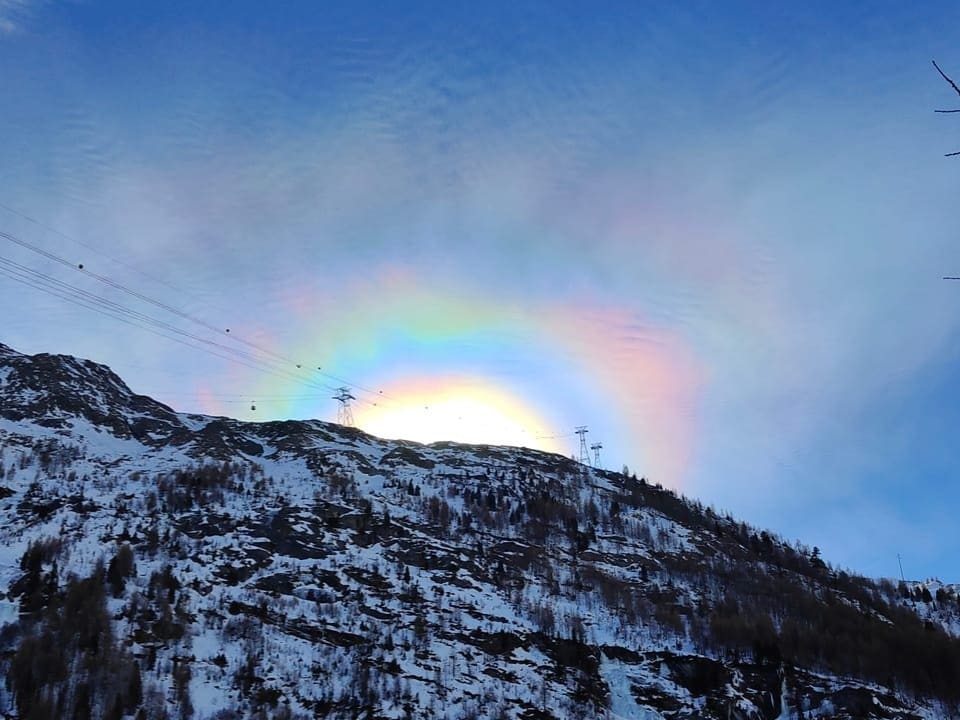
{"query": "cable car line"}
[(133, 293), (84, 298), (88, 246), (117, 307), (56, 258), (106, 310), (92, 306), (177, 312)]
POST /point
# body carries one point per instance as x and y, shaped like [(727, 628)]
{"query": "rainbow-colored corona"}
[(441, 364)]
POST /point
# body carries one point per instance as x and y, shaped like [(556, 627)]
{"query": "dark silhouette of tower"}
[(582, 431), (344, 413), (596, 447)]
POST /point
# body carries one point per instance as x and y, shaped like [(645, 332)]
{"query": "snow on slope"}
[(305, 569)]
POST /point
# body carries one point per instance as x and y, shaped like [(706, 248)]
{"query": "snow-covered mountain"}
[(157, 564)]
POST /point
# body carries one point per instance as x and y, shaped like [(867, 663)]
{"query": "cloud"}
[(12, 13), (762, 285)]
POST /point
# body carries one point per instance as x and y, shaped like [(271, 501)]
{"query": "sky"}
[(714, 235)]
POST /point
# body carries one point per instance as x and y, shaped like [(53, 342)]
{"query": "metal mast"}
[(582, 431), (596, 447), (344, 413)]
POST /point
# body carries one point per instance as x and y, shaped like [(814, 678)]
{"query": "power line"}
[(78, 296), (118, 307), (145, 298), (79, 267), (82, 303), (134, 293), (554, 437), (88, 246)]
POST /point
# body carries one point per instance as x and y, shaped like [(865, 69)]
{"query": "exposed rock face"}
[(308, 570)]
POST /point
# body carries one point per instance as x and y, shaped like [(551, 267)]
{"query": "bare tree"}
[(955, 89)]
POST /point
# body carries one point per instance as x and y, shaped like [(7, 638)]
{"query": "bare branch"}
[(946, 111), (952, 154), (944, 76)]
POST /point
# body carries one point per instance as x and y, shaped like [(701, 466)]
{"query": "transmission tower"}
[(582, 431), (596, 447), (344, 413)]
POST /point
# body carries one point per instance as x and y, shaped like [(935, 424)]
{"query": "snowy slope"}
[(303, 569)]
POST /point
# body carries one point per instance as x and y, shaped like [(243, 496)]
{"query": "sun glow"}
[(428, 363), (456, 409)]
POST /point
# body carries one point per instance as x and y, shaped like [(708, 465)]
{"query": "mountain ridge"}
[(510, 582)]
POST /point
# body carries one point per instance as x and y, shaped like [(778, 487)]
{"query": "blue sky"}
[(713, 234)]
